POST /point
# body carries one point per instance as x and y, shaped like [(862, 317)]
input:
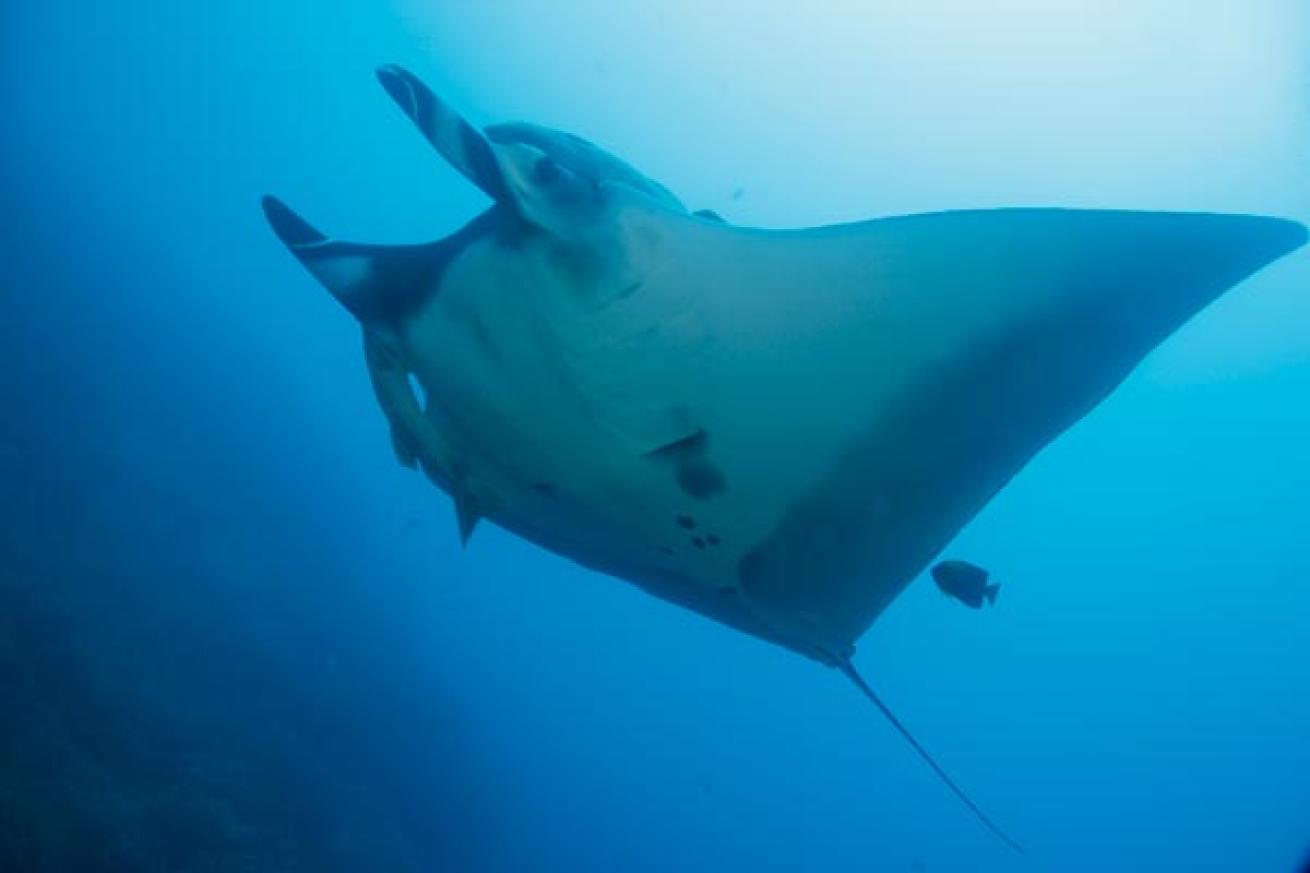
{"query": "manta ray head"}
[(585, 166), (554, 181), (547, 189)]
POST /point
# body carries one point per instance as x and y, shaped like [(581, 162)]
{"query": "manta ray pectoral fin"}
[(374, 282), (845, 665), (970, 340), (459, 142)]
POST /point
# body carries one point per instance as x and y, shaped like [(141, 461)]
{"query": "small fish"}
[(965, 582)]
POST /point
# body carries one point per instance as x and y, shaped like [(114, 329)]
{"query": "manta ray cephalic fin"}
[(848, 668), (459, 142)]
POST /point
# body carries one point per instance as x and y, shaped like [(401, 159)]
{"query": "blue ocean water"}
[(236, 635)]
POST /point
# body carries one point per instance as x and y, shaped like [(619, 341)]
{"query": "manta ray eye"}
[(545, 171)]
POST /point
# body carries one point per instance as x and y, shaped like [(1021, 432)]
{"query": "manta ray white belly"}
[(577, 421), (783, 429), (777, 429)]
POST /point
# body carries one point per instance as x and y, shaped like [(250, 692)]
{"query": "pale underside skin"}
[(777, 429), (853, 395)]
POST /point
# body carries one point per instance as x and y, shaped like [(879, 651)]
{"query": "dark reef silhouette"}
[(189, 677)]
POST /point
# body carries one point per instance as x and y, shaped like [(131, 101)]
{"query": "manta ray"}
[(777, 429)]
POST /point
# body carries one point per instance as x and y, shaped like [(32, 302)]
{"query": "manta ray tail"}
[(374, 282), (849, 669)]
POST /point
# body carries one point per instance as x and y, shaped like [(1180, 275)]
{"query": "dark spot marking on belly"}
[(686, 522), (698, 542), (695, 473), (701, 479), (546, 489), (665, 550), (713, 539)]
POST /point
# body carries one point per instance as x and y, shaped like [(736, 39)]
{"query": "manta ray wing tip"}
[(1272, 238), (1297, 233), (290, 228), (1262, 240)]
